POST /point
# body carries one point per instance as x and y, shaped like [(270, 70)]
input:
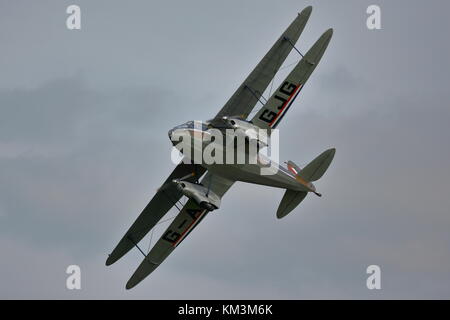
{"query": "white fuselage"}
[(236, 162)]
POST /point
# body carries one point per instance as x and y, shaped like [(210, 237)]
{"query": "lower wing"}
[(188, 218), (160, 204)]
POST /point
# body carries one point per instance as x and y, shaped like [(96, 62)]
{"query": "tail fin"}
[(312, 172)]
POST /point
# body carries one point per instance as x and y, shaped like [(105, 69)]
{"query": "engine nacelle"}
[(246, 128), (207, 200)]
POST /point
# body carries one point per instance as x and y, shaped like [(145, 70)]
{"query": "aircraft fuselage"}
[(237, 162)]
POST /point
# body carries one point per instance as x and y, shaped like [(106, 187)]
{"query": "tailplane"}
[(312, 172), (290, 200)]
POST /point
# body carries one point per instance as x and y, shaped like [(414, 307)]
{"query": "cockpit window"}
[(191, 125)]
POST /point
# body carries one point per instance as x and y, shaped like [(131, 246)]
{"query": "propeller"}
[(192, 174)]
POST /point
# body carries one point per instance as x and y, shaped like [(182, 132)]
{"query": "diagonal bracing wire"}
[(151, 234)]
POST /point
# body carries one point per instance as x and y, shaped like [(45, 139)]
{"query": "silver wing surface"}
[(247, 95), (188, 218), (270, 115), (164, 199)]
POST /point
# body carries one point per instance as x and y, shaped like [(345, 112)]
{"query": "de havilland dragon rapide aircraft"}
[(205, 184)]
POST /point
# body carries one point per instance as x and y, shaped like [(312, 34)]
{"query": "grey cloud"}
[(83, 146)]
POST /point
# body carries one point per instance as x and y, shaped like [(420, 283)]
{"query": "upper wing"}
[(188, 218), (246, 96), (276, 107), (162, 202)]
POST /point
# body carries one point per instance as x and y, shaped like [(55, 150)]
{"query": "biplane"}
[(204, 185)]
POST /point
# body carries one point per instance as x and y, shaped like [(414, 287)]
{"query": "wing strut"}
[(145, 255), (254, 93), (293, 46), (136, 245), (130, 238), (175, 205), (171, 200), (298, 51)]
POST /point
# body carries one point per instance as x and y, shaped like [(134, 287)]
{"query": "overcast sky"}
[(84, 116)]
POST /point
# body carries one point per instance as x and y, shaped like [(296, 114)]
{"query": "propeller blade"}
[(187, 176)]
